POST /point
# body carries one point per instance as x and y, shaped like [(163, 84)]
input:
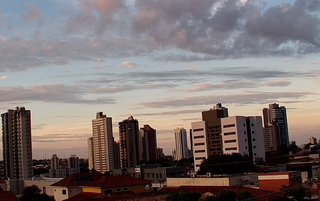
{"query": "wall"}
[(41, 185), (197, 181)]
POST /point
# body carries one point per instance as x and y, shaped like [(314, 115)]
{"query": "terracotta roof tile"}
[(115, 181), (7, 195), (84, 196), (78, 179)]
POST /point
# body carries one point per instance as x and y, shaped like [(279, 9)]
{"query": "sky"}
[(161, 61)]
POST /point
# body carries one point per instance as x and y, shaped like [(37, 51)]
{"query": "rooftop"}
[(115, 181)]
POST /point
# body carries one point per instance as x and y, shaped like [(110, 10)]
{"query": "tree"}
[(245, 195), (208, 197), (226, 194), (32, 193), (227, 164), (183, 196)]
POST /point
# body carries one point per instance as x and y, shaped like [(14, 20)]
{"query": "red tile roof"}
[(115, 181), (84, 196), (7, 195), (71, 181), (2, 181)]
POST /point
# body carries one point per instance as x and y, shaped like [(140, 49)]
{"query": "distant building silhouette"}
[(275, 127), (117, 164), (129, 143), (181, 150), (90, 153), (17, 147), (149, 143)]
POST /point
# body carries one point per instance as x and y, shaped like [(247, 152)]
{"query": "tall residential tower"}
[(275, 127), (16, 142), (148, 143), (103, 143), (130, 145), (181, 150)]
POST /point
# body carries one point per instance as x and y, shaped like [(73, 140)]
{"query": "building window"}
[(254, 154), (252, 132), (200, 158), (44, 190), (196, 137), (252, 124), (229, 125), (107, 191), (198, 144), (254, 147), (231, 148), (118, 189), (253, 139), (246, 147), (245, 132), (64, 192), (198, 129), (245, 140), (125, 188), (230, 141), (230, 133), (199, 151)]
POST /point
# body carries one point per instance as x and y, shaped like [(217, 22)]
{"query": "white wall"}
[(199, 129)]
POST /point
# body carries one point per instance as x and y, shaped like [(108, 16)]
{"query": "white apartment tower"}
[(16, 138), (181, 143), (90, 153), (243, 135), (103, 143), (200, 143)]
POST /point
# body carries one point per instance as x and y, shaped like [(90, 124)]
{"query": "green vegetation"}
[(33, 193), (227, 164)]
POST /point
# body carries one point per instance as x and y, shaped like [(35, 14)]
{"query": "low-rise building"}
[(276, 181)]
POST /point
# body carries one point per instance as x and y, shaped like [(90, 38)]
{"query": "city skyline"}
[(162, 62)]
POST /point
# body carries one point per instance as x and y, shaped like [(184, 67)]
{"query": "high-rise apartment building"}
[(54, 170), (181, 150), (90, 153), (212, 118), (16, 142), (275, 127), (129, 143), (148, 143), (54, 162), (243, 135), (103, 143), (312, 140), (73, 164), (117, 164)]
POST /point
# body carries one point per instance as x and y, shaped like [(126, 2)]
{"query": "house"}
[(7, 196), (113, 188), (70, 186)]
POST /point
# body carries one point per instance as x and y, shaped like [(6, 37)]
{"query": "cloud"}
[(3, 77), (34, 13), (128, 65), (173, 112), (232, 84), (242, 99), (59, 93), (176, 30), (278, 83)]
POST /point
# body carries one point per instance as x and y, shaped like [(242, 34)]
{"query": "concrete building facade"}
[(130, 146), (90, 153), (212, 118), (103, 143), (243, 135), (181, 142), (148, 139), (17, 144), (200, 143), (275, 126)]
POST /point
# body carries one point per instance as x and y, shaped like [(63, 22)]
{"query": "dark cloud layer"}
[(192, 30)]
